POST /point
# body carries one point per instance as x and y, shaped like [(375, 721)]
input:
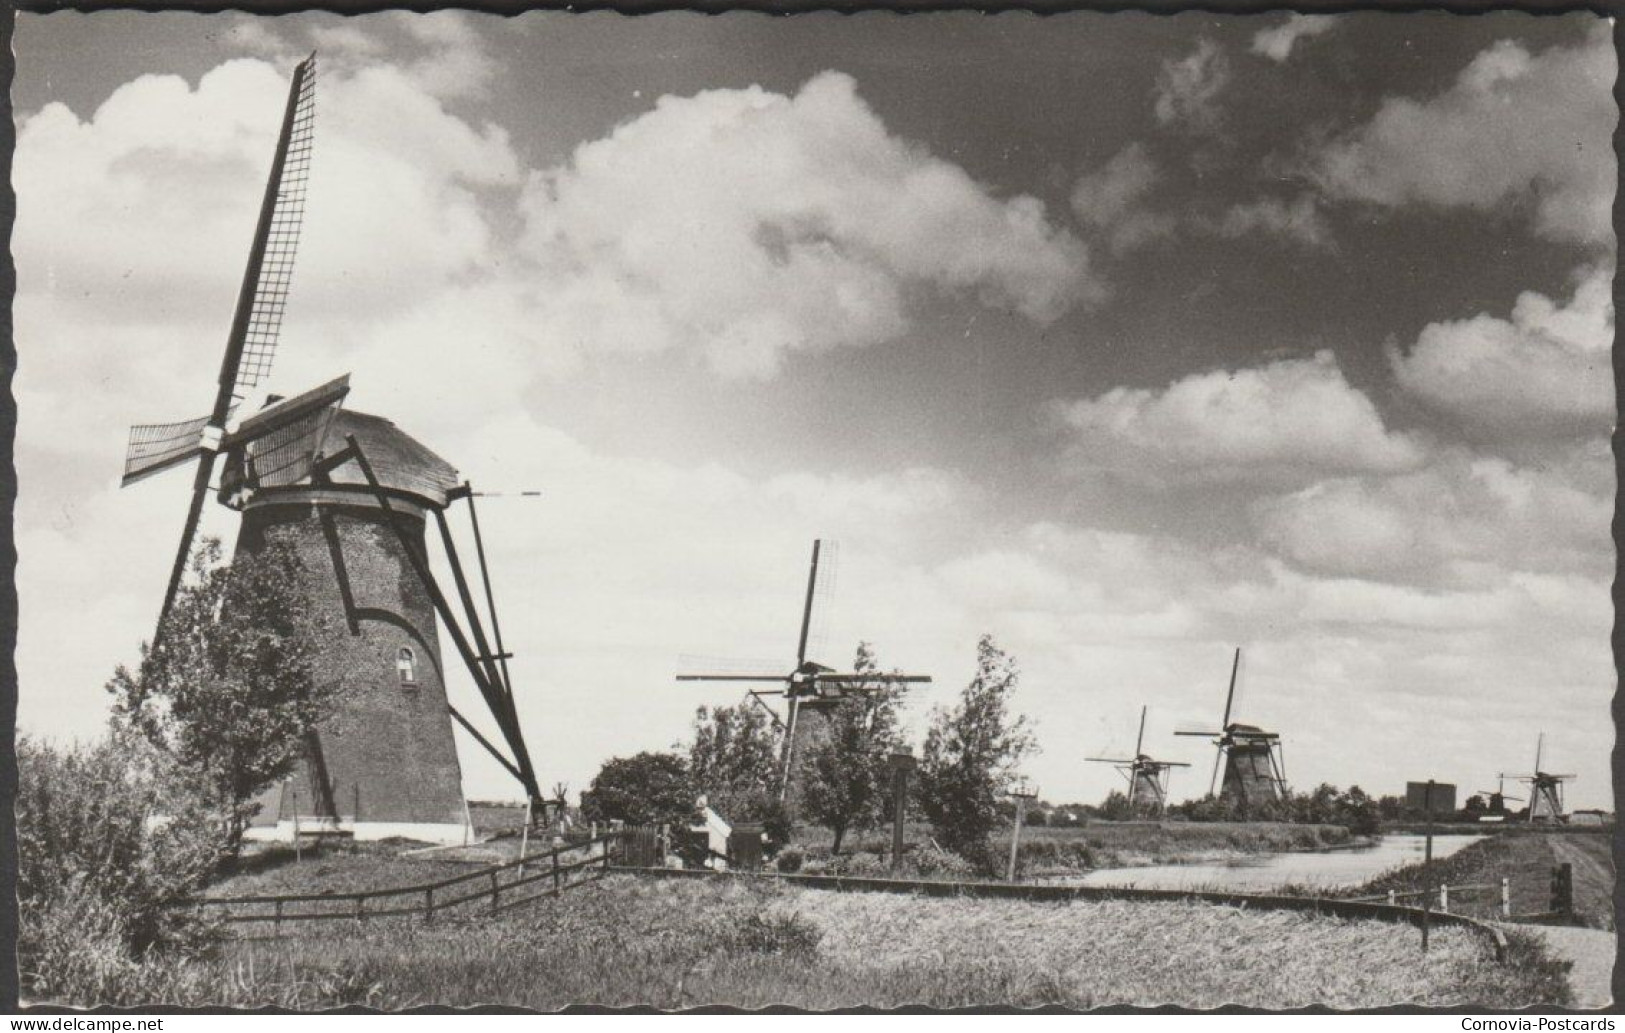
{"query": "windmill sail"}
[(155, 447), (251, 344), (270, 272)]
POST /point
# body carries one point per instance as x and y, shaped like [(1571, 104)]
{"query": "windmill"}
[(352, 496), (1545, 789), (1147, 778), (1497, 798), (810, 688), (1254, 768)]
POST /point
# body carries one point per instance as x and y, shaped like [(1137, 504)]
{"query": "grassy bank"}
[(1527, 860), (671, 944), (345, 868)]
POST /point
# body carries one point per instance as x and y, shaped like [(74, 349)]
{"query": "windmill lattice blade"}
[(696, 663), (768, 678), (875, 676), (1230, 697), (287, 410), (823, 599), (284, 219), (158, 446), (285, 455), (1212, 783), (1139, 741)]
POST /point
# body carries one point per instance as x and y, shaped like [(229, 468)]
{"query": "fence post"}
[(277, 927), (1563, 889), (360, 901), (495, 891), (1391, 899), (556, 887), (428, 904), (1506, 898), (1444, 897)]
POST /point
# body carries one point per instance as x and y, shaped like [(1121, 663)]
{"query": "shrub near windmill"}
[(351, 495)]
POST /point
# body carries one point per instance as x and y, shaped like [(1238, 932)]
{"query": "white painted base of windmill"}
[(440, 834)]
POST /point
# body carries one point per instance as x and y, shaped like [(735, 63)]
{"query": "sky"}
[(1127, 340)]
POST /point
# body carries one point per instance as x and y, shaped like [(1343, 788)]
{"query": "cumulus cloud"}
[(1545, 371), (1112, 199), (1115, 200), (1531, 131), (1298, 220), (776, 225), (171, 176), (1277, 42), (1188, 88), (1462, 521), (1291, 420)]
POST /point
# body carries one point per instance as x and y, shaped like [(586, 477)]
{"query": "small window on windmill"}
[(406, 664)]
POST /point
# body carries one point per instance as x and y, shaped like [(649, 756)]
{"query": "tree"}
[(846, 769), (227, 690), (734, 754), (645, 789), (734, 758), (971, 755)]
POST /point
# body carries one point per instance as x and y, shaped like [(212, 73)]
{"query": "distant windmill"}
[(352, 496), (1254, 768), (1147, 778), (1498, 797), (810, 689), (1545, 789)]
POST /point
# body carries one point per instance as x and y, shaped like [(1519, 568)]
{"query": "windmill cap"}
[(402, 464), (405, 468)]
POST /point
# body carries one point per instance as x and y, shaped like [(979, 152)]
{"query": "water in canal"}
[(1262, 872)]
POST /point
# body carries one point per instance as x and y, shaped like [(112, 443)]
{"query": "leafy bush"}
[(107, 842), (770, 933), (789, 860), (929, 860)]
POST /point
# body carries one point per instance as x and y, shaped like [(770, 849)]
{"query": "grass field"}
[(677, 944), (1527, 859)]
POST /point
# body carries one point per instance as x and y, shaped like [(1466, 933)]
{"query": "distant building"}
[(1590, 817), (1443, 801)]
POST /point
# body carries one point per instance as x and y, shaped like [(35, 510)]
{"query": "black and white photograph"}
[(949, 510)]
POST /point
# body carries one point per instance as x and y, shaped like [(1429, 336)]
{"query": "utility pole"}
[(1427, 866), (902, 764), (1021, 794)]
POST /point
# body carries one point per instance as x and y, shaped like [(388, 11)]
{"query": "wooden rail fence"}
[(1443, 894), (490, 890)]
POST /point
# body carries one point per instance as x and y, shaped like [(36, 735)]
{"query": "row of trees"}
[(734, 755)]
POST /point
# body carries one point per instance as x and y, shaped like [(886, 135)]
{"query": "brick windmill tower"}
[(352, 495), (1254, 771)]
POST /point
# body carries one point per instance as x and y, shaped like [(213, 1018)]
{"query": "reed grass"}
[(672, 944)]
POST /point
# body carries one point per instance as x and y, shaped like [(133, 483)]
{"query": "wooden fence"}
[(487, 891), (1444, 894)]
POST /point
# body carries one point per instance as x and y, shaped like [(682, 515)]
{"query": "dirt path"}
[(1591, 951), (1593, 861)]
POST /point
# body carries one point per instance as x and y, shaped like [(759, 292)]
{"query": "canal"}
[(1325, 869)]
